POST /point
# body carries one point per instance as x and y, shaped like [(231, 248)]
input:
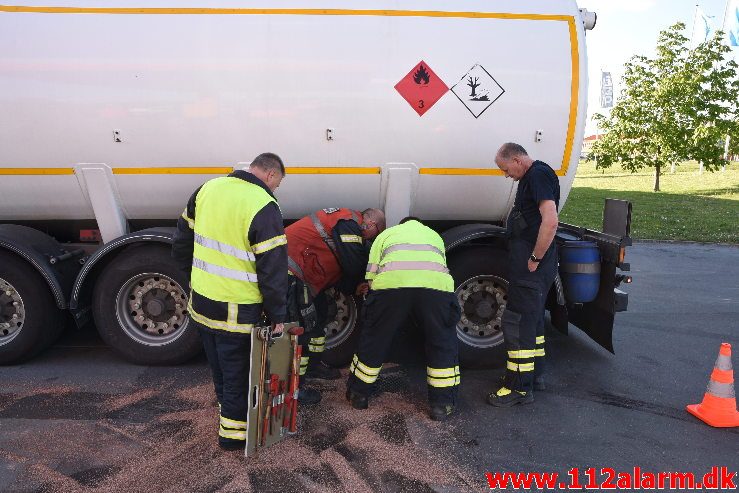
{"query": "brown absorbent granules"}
[(337, 449)]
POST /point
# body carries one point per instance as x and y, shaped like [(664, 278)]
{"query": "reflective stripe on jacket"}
[(224, 267), (409, 255), (221, 257)]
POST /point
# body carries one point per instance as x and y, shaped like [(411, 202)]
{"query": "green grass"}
[(690, 206)]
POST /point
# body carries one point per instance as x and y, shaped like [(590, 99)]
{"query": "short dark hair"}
[(268, 161), (409, 218), (510, 149)]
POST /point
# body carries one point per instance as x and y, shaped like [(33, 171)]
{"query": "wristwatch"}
[(533, 258)]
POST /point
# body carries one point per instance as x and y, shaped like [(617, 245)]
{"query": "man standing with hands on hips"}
[(532, 266)]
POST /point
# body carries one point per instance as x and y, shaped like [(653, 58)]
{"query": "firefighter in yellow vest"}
[(231, 239), (409, 279)]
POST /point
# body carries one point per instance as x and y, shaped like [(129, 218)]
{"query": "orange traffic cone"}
[(719, 403)]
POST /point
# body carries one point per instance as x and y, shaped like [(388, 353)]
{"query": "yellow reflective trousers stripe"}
[(442, 372), (519, 367), (443, 377), (443, 382), (363, 372), (316, 344), (232, 423), (232, 434), (366, 369), (521, 353)]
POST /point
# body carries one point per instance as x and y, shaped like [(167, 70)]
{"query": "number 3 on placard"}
[(420, 103)]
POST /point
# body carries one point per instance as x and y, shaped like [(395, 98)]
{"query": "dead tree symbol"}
[(473, 84)]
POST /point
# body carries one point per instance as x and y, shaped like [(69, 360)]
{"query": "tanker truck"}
[(112, 116)]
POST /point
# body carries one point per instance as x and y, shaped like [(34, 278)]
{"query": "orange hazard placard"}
[(421, 87)]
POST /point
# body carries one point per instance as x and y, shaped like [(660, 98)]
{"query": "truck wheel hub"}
[(12, 312), (156, 306), (484, 309), (482, 299), (340, 328), (152, 309)]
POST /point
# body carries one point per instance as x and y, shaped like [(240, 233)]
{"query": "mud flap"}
[(596, 318)]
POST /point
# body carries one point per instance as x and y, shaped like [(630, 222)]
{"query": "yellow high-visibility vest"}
[(409, 255), (224, 265)]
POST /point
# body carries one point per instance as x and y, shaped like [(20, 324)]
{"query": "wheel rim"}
[(342, 326), (482, 299), (152, 309), (12, 312)]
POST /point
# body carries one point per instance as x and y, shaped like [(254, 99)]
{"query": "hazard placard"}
[(421, 87), (477, 90)]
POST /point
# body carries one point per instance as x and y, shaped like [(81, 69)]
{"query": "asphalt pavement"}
[(78, 418)]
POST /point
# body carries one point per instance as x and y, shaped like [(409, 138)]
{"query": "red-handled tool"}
[(281, 407), (291, 411), (274, 390), (296, 389)]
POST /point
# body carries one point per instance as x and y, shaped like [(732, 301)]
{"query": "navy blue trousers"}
[(228, 356)]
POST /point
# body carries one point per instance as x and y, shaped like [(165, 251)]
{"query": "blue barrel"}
[(579, 268)]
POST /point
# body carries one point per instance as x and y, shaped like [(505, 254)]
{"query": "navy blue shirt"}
[(539, 183)]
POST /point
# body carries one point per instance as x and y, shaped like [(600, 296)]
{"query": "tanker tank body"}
[(114, 115)]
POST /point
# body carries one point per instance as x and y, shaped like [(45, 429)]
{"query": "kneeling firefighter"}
[(325, 249), (409, 279)]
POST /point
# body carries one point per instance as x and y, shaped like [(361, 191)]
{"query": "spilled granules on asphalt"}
[(119, 402), (337, 449)]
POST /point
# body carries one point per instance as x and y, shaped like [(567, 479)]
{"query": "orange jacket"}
[(312, 254)]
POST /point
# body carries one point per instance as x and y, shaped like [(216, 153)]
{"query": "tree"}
[(679, 105), (473, 84)]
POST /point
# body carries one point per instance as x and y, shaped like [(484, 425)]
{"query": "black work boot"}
[(357, 400), (322, 371), (440, 412), (232, 445), (505, 397), (308, 397)]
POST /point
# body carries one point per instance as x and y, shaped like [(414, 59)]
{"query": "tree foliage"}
[(679, 105)]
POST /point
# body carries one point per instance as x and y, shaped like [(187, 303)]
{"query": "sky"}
[(630, 27)]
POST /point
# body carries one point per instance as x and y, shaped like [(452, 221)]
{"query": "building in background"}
[(587, 144)]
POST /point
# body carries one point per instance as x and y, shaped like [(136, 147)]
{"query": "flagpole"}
[(726, 12), (695, 21)]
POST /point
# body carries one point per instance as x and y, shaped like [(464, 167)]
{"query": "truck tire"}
[(140, 308), (482, 291), (29, 318), (342, 333)]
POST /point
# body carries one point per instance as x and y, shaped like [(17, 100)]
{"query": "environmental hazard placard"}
[(477, 90), (421, 87)]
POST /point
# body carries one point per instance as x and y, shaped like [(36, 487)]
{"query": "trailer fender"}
[(489, 234), (480, 234), (37, 249), (82, 290)]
